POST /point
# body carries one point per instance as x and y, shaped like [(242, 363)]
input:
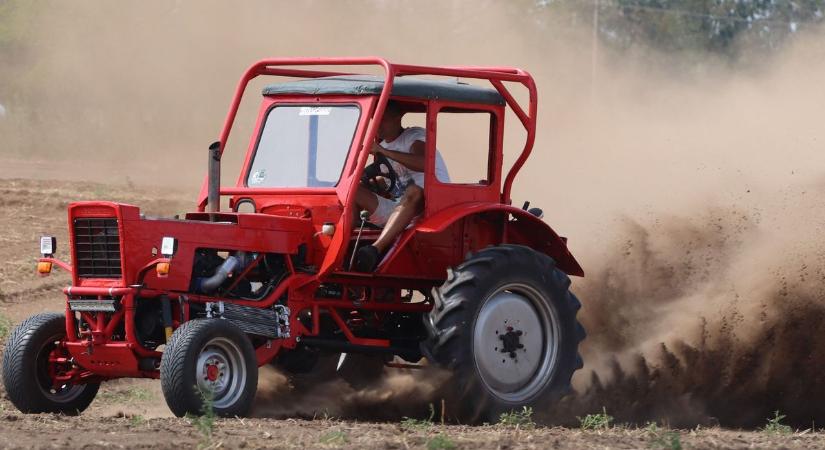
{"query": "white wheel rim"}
[(221, 372), (516, 341)]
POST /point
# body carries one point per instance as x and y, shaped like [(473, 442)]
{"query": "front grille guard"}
[(97, 247)]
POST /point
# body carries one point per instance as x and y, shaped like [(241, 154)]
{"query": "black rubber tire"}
[(23, 367), (179, 361), (451, 327)]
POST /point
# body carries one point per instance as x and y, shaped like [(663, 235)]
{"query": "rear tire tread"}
[(448, 323)]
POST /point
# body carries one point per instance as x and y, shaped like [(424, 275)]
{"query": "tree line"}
[(724, 27)]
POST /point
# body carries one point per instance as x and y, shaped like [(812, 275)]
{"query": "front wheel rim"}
[(221, 372), (64, 393), (516, 343)]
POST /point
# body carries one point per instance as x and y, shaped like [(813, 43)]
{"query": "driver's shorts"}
[(383, 211)]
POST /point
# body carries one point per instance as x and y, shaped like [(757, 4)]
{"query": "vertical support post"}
[(312, 163), (166, 311), (214, 191), (595, 50)]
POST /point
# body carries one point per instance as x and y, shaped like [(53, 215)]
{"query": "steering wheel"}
[(380, 167)]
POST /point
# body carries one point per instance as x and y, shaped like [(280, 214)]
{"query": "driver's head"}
[(390, 126)]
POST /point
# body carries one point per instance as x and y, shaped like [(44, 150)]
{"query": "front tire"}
[(209, 361), (27, 369), (505, 323)]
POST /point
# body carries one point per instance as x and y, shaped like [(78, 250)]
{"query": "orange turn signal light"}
[(163, 269), (44, 267)]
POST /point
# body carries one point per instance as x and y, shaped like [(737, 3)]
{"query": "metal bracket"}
[(210, 310), (282, 313)]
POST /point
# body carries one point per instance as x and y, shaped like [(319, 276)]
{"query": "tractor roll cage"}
[(283, 67)]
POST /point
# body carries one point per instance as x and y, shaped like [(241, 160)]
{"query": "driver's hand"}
[(382, 183), (376, 149)]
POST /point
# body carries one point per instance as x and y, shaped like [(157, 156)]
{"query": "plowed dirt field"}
[(133, 414)]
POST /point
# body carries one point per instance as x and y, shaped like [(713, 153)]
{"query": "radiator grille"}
[(97, 247)]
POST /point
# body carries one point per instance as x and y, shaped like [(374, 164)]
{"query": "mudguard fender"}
[(521, 227)]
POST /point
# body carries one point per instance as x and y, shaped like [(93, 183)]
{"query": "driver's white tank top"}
[(403, 143)]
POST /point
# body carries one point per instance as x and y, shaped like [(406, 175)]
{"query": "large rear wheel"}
[(505, 323), (36, 366)]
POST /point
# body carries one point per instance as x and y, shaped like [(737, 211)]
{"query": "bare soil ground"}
[(133, 414)]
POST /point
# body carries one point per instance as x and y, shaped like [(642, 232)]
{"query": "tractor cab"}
[(309, 152), (324, 115), (310, 137)]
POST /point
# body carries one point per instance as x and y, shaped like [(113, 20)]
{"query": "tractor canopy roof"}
[(401, 87)]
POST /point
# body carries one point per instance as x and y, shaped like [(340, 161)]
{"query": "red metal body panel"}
[(523, 228), (140, 238)]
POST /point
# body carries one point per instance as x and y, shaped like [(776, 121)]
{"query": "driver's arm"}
[(413, 160)]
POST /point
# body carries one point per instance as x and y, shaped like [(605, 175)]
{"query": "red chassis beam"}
[(95, 350)]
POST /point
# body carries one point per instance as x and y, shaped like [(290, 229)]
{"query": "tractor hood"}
[(112, 243)]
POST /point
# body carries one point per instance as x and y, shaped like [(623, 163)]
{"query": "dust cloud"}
[(711, 318), (399, 393), (692, 196), (704, 303)]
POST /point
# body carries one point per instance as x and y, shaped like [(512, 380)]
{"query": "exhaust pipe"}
[(213, 199)]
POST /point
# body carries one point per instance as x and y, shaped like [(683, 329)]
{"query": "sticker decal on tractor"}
[(314, 111), (258, 176)]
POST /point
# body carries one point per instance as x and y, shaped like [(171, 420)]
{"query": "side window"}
[(463, 140)]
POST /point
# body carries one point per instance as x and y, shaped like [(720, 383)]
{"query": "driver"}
[(404, 147)]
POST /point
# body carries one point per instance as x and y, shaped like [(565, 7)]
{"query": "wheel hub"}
[(510, 341), (212, 372), (214, 375), (221, 372), (515, 341), (54, 367)]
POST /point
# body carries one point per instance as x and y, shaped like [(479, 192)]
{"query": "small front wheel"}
[(36, 369), (209, 364)]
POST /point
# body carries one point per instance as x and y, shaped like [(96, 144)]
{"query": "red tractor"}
[(474, 284)]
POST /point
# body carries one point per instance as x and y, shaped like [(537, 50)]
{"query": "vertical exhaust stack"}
[(214, 192)]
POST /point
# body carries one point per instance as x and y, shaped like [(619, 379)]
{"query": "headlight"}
[(48, 246), (168, 246)]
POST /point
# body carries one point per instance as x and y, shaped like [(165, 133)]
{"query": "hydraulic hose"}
[(208, 285)]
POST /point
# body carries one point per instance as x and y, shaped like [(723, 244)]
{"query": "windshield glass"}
[(303, 146)]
